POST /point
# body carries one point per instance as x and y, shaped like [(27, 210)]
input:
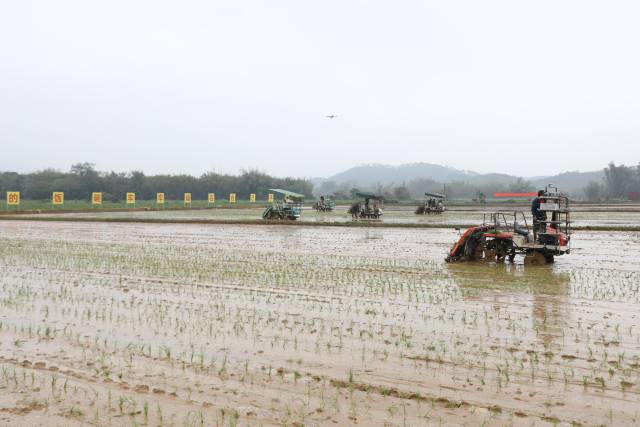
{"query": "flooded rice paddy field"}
[(184, 324), (586, 215)]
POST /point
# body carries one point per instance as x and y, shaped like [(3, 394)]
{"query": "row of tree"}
[(620, 182), (83, 179), (416, 188)]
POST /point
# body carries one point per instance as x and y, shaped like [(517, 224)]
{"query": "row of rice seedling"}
[(187, 322)]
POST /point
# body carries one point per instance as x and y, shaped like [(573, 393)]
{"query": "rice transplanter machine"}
[(504, 235)]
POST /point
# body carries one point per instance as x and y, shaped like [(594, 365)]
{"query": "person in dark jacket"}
[(535, 207), (538, 215)]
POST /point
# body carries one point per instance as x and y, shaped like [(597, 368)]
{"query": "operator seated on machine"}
[(538, 215)]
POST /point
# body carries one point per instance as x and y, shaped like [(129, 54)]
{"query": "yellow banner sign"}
[(270, 197), (13, 198), (212, 197), (252, 197), (131, 198), (232, 198), (187, 197), (57, 198), (96, 198), (160, 198)]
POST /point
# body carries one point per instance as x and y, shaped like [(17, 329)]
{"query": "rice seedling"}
[(181, 315)]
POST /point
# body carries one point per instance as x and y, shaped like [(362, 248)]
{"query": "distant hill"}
[(571, 182), (369, 176)]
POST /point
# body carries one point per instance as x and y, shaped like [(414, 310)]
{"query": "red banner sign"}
[(533, 194)]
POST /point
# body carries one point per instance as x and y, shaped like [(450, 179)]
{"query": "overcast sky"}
[(522, 87)]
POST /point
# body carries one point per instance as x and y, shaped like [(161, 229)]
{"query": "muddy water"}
[(583, 216), (174, 324)]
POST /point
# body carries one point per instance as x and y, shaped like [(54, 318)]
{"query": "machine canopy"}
[(369, 196), (288, 193), (436, 195)]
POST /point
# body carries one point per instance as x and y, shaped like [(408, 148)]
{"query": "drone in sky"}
[(331, 116)]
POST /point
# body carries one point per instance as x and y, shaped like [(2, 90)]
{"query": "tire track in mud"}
[(159, 395), (385, 391)]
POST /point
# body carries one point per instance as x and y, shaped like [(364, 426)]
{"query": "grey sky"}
[(224, 85)]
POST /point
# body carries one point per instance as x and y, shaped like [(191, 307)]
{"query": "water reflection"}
[(503, 286), (370, 234)]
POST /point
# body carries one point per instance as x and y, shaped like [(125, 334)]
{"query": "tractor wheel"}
[(535, 258)]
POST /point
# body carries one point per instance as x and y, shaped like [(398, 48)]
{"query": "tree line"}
[(83, 179), (416, 188), (620, 183)]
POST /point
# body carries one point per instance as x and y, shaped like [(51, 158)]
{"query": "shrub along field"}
[(185, 324)]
